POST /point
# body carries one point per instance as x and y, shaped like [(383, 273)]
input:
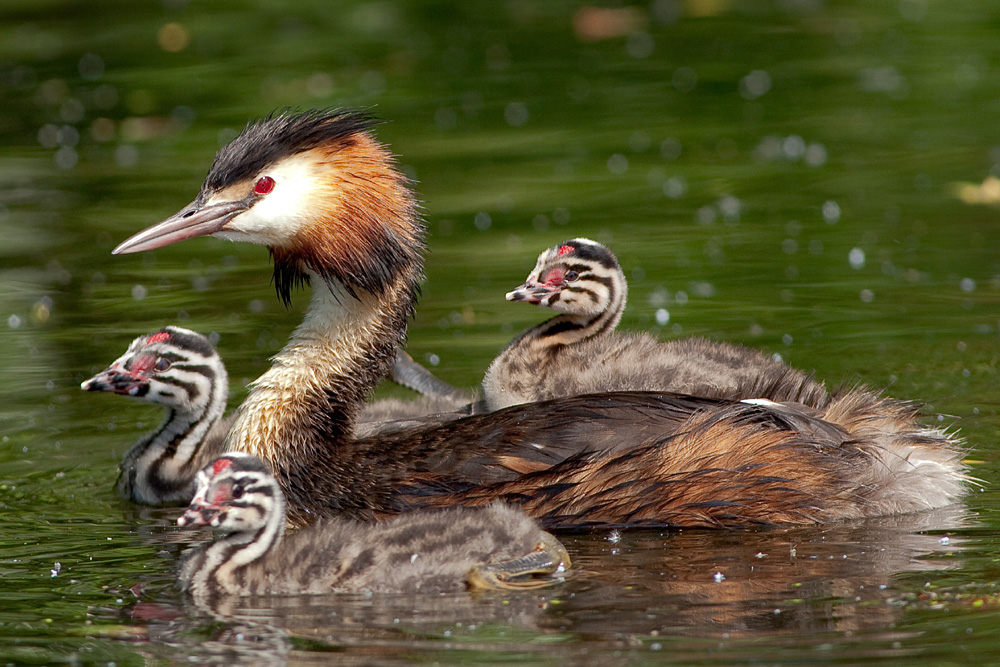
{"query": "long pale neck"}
[(160, 468), (307, 402)]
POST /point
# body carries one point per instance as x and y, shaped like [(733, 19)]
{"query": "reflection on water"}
[(638, 590), (782, 175)]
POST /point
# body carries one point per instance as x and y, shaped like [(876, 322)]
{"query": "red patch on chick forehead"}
[(220, 465), (158, 338), (565, 249)]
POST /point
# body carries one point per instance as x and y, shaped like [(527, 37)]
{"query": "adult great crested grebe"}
[(324, 196)]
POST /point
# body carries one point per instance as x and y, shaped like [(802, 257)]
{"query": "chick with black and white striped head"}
[(496, 546), (180, 370), (579, 351)]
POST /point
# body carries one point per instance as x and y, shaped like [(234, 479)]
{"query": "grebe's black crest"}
[(281, 135)]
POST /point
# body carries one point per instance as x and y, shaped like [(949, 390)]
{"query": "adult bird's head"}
[(318, 190)]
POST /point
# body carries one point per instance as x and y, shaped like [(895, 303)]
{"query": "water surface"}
[(784, 175)]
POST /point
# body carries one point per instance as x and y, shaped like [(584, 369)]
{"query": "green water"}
[(778, 174)]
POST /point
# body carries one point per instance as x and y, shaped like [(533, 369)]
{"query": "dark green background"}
[(105, 131)]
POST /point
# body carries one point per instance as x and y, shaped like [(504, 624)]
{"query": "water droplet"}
[(755, 84), (126, 155), (640, 45), (91, 67), (319, 84), (372, 82), (173, 37), (674, 187), (72, 110), (617, 164), (793, 147), (856, 258), (670, 149), (48, 136), (66, 158), (831, 212), (730, 208), (815, 155), (516, 114), (684, 79), (639, 141)]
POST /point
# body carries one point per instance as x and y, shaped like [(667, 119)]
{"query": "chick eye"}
[(237, 492), (263, 185), (572, 275), (163, 364)]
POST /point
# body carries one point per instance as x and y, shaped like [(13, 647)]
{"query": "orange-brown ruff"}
[(324, 196)]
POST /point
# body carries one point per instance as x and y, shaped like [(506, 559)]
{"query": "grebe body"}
[(326, 199)]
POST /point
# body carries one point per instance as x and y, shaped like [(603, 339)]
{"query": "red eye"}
[(263, 185)]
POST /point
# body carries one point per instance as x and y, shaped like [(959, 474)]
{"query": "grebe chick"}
[(497, 546), (180, 370), (579, 351), (324, 196)]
